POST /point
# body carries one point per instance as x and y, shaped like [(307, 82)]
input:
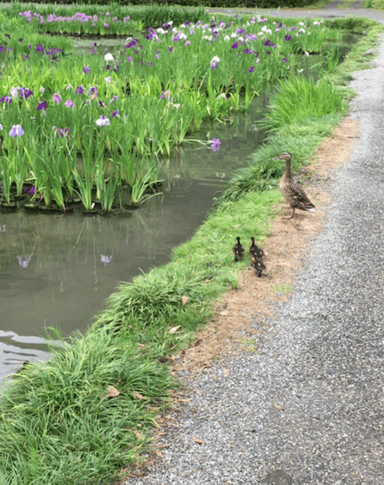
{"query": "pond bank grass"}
[(88, 412)]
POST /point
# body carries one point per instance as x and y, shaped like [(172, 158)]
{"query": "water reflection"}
[(57, 271)]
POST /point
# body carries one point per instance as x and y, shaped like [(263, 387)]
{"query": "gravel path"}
[(308, 409)]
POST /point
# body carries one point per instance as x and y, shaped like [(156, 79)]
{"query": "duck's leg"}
[(293, 214)]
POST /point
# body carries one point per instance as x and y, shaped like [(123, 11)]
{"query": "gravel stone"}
[(308, 408)]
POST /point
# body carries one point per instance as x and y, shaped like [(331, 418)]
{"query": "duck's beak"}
[(278, 158)]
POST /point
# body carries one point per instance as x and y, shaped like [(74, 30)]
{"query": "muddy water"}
[(57, 271)]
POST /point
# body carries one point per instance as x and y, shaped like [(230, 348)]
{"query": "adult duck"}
[(291, 191)]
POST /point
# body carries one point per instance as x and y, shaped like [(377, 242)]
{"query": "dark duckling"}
[(257, 258), (238, 250), (259, 266), (255, 251), (291, 191)]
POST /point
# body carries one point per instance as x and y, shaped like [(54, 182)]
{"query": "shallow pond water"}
[(58, 270)]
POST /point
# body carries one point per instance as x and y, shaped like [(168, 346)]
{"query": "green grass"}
[(375, 4), (57, 424)]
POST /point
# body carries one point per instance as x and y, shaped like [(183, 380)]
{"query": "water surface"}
[(58, 270)]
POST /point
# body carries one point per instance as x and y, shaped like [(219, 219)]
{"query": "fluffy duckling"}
[(291, 191), (238, 250), (255, 251), (259, 266), (257, 258)]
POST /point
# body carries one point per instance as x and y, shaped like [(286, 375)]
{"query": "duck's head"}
[(252, 240), (238, 240), (284, 156)]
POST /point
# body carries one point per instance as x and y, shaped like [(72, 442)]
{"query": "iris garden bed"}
[(84, 126), (88, 412)]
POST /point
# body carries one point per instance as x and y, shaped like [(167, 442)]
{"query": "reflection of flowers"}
[(106, 259), (24, 260)]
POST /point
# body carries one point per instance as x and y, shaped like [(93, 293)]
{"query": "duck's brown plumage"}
[(238, 250), (291, 191)]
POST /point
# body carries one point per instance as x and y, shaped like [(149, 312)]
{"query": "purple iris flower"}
[(288, 37), (6, 99), (56, 98), (42, 106), (106, 26), (21, 40), (103, 121), (235, 45), (170, 48), (86, 69), (16, 130), (69, 103), (92, 91), (24, 260), (114, 99), (1, 48), (79, 90), (39, 48), (251, 69), (284, 59), (215, 145), (129, 59), (115, 113)]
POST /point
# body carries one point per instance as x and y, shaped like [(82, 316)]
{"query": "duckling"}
[(257, 258), (291, 191), (259, 266), (238, 250), (256, 252)]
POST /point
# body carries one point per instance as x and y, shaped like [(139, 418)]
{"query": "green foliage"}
[(299, 99)]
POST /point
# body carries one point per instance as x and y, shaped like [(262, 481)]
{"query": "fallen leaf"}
[(280, 408), (141, 345), (137, 395), (161, 434), (184, 299), (197, 440), (184, 400), (226, 371), (228, 445), (137, 434), (166, 445), (174, 329), (112, 391)]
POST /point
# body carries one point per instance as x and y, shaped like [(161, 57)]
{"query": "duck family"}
[(256, 253), (291, 191), (296, 198)]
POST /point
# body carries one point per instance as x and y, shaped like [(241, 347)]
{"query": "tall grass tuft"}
[(300, 99)]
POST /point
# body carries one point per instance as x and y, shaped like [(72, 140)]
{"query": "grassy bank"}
[(88, 412)]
